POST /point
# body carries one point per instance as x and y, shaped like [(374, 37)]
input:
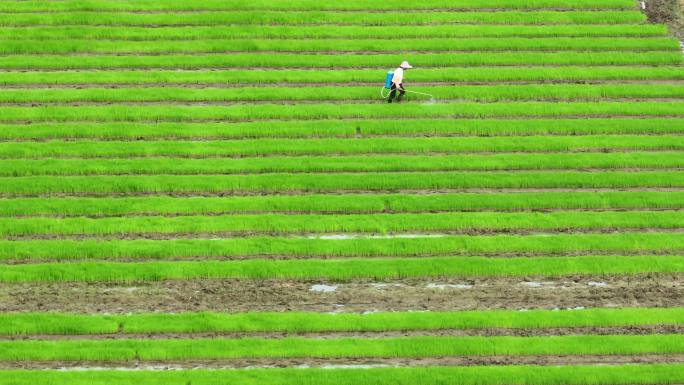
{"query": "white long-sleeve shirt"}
[(398, 77)]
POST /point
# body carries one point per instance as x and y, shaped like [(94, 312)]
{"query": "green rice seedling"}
[(279, 76), (340, 146), (301, 5), (480, 93), (56, 324), (655, 374), (366, 128), (322, 32), (245, 112), (351, 223), (341, 204), (306, 247), (328, 182), (212, 166), (308, 322), (121, 350), (184, 166), (529, 17), (320, 60), (480, 45), (341, 269)]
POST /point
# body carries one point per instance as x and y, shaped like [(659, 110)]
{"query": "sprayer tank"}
[(388, 79)]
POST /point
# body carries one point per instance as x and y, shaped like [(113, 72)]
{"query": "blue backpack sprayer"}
[(388, 86)]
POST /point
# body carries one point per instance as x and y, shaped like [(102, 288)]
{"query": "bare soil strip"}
[(134, 214), (359, 295), (203, 85), (317, 101), (625, 330), (339, 192), (356, 234), (352, 362)]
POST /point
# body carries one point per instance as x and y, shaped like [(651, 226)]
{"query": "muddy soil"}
[(361, 295), (616, 330), (352, 362)]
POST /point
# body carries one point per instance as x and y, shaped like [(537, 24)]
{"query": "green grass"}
[(271, 76), (295, 247), (342, 269), (480, 93), (302, 18), (245, 112), (483, 45), (346, 146), (330, 182), (338, 60), (352, 223), (476, 375), (123, 350), (302, 5), (341, 204), (303, 322), (343, 129), (319, 32), (185, 166)]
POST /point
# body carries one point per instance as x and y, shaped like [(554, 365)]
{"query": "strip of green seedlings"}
[(476, 74), (351, 223), (301, 5), (480, 93), (293, 183), (340, 204), (278, 111), (481, 45), (334, 146), (310, 322), (320, 32), (122, 350), (343, 129), (221, 19), (295, 247), (185, 166), (342, 269), (482, 375), (268, 60)]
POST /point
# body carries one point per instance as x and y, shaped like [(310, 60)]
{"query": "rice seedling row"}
[(382, 269), (351, 223), (632, 243), (15, 324), (346, 146), (280, 76), (335, 182), (333, 19), (481, 93), (338, 60), (276, 111), (297, 5), (297, 347), (359, 128), (313, 164), (148, 33), (430, 45), (340, 204)]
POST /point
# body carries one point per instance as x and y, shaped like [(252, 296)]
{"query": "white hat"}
[(405, 64)]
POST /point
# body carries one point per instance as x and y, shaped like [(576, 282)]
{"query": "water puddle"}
[(323, 288)]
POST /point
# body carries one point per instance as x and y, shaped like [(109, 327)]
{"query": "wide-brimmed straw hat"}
[(405, 65)]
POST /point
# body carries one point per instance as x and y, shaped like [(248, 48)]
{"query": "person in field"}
[(398, 83)]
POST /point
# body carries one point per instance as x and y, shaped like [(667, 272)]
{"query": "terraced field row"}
[(218, 192)]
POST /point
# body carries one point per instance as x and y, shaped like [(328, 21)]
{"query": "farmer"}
[(397, 82)]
